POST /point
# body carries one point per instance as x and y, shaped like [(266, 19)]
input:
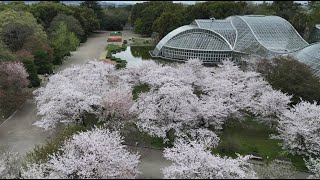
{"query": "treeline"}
[(114, 18), (41, 34), (164, 16)]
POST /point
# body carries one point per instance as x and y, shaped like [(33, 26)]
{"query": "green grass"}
[(141, 41), (139, 89), (113, 48), (133, 135), (250, 136), (40, 154), (115, 34)]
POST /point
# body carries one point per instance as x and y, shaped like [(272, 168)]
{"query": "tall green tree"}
[(58, 42), (114, 18), (14, 35), (286, 9), (24, 20), (5, 53), (32, 71), (27, 58), (292, 77), (40, 60), (73, 25), (167, 22), (138, 26), (72, 41), (44, 12), (95, 6), (62, 41), (223, 9), (20, 31), (87, 18)]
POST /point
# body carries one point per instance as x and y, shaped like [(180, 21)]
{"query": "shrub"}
[(120, 65), (292, 77), (42, 62), (32, 71), (40, 154)]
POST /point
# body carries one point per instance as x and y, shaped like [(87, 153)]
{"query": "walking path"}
[(19, 135), (151, 162), (17, 132)]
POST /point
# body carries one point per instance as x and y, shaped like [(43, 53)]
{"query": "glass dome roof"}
[(211, 39), (311, 56)]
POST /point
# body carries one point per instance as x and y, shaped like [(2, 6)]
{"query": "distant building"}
[(315, 35), (310, 56), (213, 40)]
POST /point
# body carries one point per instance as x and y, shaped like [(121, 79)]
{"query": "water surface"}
[(134, 55)]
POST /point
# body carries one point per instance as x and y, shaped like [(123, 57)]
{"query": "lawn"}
[(250, 136), (132, 135), (113, 48), (116, 34), (140, 41), (139, 89), (243, 137)]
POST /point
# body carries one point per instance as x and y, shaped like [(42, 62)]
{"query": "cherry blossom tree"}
[(313, 164), (215, 110), (10, 164), (202, 136), (170, 107), (116, 106), (93, 154), (216, 94), (192, 160), (132, 73), (275, 170), (40, 171), (13, 75), (271, 105), (239, 87), (72, 92), (299, 129), (171, 104)]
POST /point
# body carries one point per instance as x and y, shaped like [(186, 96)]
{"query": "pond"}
[(135, 55)]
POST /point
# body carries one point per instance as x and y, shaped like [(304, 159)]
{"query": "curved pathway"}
[(19, 135), (17, 132)]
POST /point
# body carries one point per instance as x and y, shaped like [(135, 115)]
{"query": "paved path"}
[(151, 162), (17, 132)]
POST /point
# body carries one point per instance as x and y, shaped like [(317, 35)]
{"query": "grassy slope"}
[(250, 136)]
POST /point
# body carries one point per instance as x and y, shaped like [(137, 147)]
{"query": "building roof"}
[(311, 56), (274, 33), (265, 36)]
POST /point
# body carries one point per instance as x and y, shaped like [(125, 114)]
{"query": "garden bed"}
[(116, 34), (140, 42), (114, 39), (112, 49)]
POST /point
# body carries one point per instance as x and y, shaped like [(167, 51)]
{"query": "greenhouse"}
[(213, 40), (315, 35), (310, 56)]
